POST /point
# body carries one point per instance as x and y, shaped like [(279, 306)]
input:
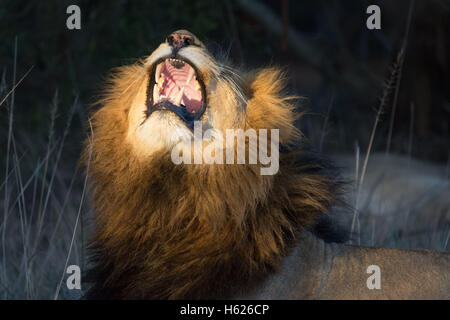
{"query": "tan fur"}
[(196, 231)]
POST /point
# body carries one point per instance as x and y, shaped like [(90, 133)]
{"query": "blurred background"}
[(396, 80)]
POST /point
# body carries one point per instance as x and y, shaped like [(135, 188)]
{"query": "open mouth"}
[(176, 86)]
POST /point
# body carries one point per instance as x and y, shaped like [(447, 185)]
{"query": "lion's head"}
[(181, 83), (185, 84), (180, 230)]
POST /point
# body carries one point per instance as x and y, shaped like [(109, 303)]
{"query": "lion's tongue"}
[(177, 79)]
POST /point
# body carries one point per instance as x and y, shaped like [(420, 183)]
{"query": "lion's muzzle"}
[(175, 84)]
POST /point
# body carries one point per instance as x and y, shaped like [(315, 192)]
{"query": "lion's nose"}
[(180, 39)]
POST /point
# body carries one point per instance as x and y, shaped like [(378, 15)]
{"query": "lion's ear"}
[(268, 107)]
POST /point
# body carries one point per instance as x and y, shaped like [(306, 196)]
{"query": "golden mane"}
[(197, 231)]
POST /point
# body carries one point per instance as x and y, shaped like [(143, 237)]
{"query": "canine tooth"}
[(179, 96), (155, 94), (190, 76), (158, 72), (161, 81), (197, 86)]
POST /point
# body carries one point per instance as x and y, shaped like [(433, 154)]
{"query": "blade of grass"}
[(325, 123), (58, 222), (41, 211), (16, 85), (23, 224), (91, 142), (411, 132), (10, 128), (35, 172), (355, 209), (401, 59), (57, 161)]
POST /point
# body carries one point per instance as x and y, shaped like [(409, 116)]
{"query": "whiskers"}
[(233, 79)]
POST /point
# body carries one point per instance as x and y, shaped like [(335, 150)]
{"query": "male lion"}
[(209, 230)]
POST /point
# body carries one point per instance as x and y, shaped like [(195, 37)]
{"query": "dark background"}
[(336, 55)]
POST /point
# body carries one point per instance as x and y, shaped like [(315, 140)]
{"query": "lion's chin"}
[(161, 131)]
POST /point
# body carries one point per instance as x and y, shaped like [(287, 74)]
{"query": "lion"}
[(166, 230)]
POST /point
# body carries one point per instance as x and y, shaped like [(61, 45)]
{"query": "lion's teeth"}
[(179, 96), (160, 81), (175, 60), (197, 86), (190, 76), (158, 72), (155, 94)]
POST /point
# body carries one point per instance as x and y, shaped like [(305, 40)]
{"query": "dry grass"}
[(39, 225), (404, 203), (39, 201)]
